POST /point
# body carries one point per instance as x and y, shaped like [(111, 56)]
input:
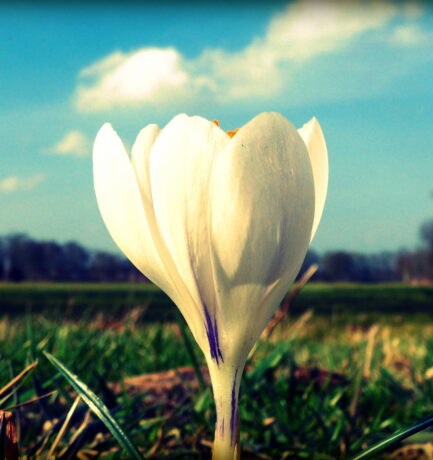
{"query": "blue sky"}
[(364, 70)]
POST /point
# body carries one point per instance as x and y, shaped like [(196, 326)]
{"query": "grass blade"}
[(63, 428), (96, 406), (394, 439)]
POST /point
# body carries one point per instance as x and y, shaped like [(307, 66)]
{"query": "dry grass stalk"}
[(369, 350), (32, 400), (63, 428), (76, 435), (387, 348), (284, 310), (19, 377)]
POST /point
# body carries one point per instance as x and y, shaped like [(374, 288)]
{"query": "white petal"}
[(180, 166), (313, 137), (140, 160), (141, 154), (121, 207), (262, 204)]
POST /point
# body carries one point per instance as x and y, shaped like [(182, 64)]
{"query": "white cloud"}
[(304, 30), (408, 35), (72, 143), (131, 78), (307, 28), (15, 183)]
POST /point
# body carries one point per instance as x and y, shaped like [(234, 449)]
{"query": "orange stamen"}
[(232, 133)]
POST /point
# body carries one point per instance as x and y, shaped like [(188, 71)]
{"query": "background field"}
[(325, 384), (75, 300)]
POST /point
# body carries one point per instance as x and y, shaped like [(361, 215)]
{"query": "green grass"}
[(308, 392), (74, 300)]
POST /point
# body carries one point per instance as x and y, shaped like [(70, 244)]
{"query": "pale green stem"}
[(226, 378)]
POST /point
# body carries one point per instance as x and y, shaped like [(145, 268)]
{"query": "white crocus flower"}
[(221, 223)]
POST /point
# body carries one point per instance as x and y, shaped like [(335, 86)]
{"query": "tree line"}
[(25, 259), (409, 266)]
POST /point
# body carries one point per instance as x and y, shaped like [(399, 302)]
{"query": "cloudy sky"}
[(364, 70)]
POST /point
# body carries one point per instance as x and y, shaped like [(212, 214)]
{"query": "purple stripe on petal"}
[(233, 411), (212, 336), (217, 339)]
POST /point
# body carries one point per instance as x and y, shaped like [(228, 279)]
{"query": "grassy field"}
[(323, 386), (75, 300)]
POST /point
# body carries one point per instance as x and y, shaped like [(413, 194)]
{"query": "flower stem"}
[(225, 383)]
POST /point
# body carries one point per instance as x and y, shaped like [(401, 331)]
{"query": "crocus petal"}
[(262, 209), (121, 206), (140, 160), (313, 137), (180, 165), (141, 154)]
